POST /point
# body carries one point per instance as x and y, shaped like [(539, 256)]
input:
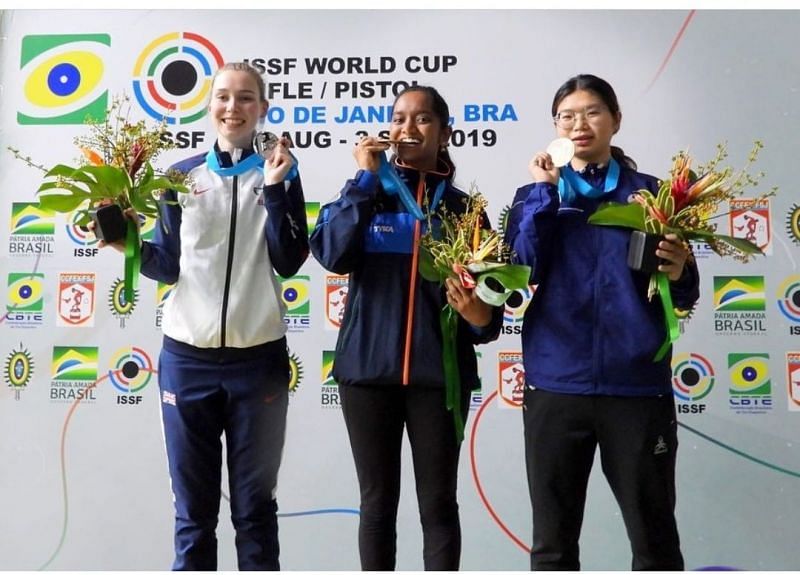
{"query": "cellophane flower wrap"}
[(686, 204), (459, 246), (115, 167)]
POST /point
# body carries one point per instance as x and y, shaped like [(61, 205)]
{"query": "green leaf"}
[(427, 267), (60, 202), (741, 244), (624, 215), (72, 188), (115, 180), (70, 173)]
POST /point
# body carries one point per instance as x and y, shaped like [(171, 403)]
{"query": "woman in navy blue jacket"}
[(389, 353), (589, 340)]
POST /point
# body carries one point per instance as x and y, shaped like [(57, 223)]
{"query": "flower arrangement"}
[(686, 204), (115, 170), (460, 247)]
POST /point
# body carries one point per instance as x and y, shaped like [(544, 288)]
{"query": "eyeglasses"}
[(566, 119)]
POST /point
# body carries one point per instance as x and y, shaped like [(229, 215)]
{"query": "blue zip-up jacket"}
[(219, 243), (589, 328), (369, 235)]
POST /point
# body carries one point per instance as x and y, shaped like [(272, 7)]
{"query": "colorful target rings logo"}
[(131, 369), (789, 298), (692, 376), (79, 235), (172, 77)]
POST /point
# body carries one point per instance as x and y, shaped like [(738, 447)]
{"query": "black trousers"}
[(638, 442), (375, 417)]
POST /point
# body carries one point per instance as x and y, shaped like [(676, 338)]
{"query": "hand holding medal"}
[(544, 167)]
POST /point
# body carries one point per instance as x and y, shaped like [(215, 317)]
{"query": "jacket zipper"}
[(412, 285), (229, 267)]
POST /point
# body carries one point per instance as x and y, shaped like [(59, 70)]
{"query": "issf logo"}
[(80, 235), (172, 77), (789, 298), (62, 78), (131, 369), (516, 304), (692, 376)]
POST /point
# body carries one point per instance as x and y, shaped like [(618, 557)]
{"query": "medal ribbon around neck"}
[(570, 182), (250, 162)]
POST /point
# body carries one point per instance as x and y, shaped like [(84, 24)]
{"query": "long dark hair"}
[(442, 112), (606, 93)]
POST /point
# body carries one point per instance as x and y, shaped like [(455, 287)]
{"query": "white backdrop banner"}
[(83, 477)]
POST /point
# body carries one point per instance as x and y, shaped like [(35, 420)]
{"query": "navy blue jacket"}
[(589, 328), (369, 235)]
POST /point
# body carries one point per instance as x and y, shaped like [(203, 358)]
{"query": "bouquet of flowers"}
[(460, 247), (686, 205), (114, 174)]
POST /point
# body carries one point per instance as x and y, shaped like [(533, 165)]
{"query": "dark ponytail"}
[(606, 93)]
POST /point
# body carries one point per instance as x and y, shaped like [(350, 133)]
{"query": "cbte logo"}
[(692, 380), (514, 310), (18, 370), (119, 306), (750, 384), (330, 390), (295, 372), (294, 293), (62, 78), (172, 81), (789, 302), (131, 370), (25, 301)]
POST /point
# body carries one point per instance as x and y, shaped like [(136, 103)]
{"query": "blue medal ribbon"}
[(570, 182), (250, 162), (394, 186)]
